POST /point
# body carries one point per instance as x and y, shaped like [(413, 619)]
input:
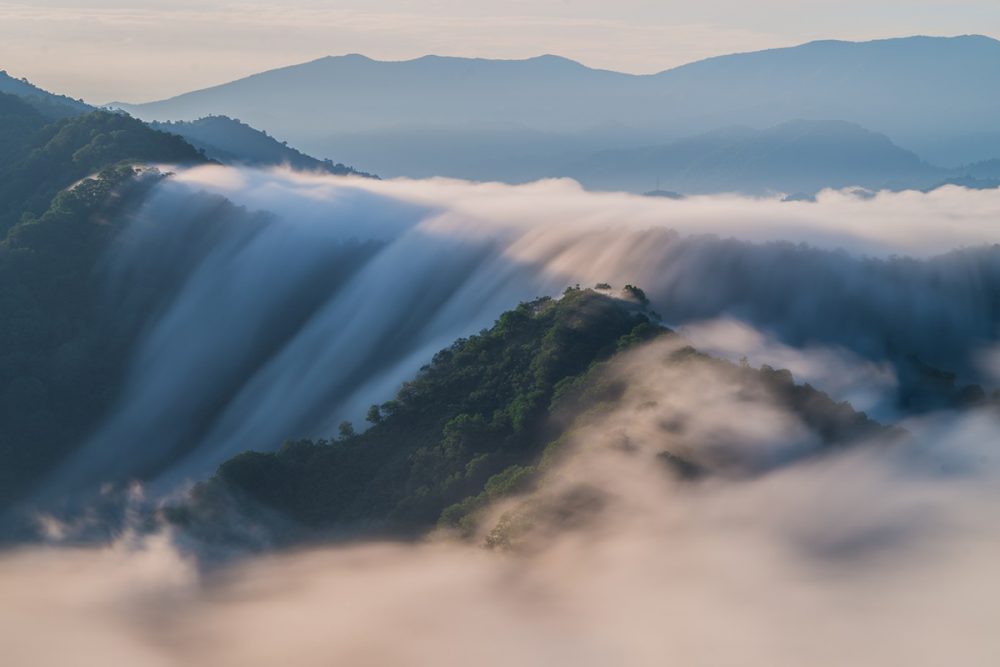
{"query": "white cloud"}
[(869, 557), (457, 254)]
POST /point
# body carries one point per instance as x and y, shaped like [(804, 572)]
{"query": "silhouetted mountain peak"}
[(350, 57), (383, 114)]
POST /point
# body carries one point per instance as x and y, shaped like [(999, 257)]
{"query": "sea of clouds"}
[(316, 296)]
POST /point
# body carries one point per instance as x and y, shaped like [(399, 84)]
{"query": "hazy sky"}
[(138, 50)]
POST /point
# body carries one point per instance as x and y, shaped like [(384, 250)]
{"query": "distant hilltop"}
[(937, 96)]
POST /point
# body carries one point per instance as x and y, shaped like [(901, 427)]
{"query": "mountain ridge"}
[(798, 156), (905, 88), (840, 43), (360, 57), (220, 138), (49, 104)]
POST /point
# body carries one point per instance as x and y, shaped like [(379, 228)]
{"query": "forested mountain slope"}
[(58, 365), (472, 427), (43, 157)]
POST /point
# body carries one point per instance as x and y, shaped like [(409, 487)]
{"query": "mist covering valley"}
[(461, 390), (286, 303), (281, 315)]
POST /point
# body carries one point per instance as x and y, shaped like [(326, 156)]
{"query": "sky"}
[(139, 50)]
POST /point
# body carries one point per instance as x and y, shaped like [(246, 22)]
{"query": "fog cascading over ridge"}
[(872, 555), (320, 295)]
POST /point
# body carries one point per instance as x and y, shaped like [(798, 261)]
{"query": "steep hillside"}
[(46, 157), (19, 121), (230, 141), (472, 427), (48, 104), (59, 362), (476, 410)]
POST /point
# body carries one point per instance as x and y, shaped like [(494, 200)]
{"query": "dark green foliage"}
[(346, 430), (637, 293), (471, 424), (19, 122), (59, 360), (482, 422), (57, 366), (43, 158)]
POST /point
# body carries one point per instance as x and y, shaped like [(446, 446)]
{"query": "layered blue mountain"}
[(219, 138), (517, 120), (795, 157)]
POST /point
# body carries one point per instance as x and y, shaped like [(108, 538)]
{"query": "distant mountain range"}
[(518, 119), (795, 157), (792, 121)]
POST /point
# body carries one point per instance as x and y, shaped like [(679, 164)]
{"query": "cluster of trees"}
[(482, 421), (474, 421)]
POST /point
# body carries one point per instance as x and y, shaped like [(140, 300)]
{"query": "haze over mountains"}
[(222, 139), (257, 410), (229, 141), (519, 120), (796, 157), (49, 104)]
